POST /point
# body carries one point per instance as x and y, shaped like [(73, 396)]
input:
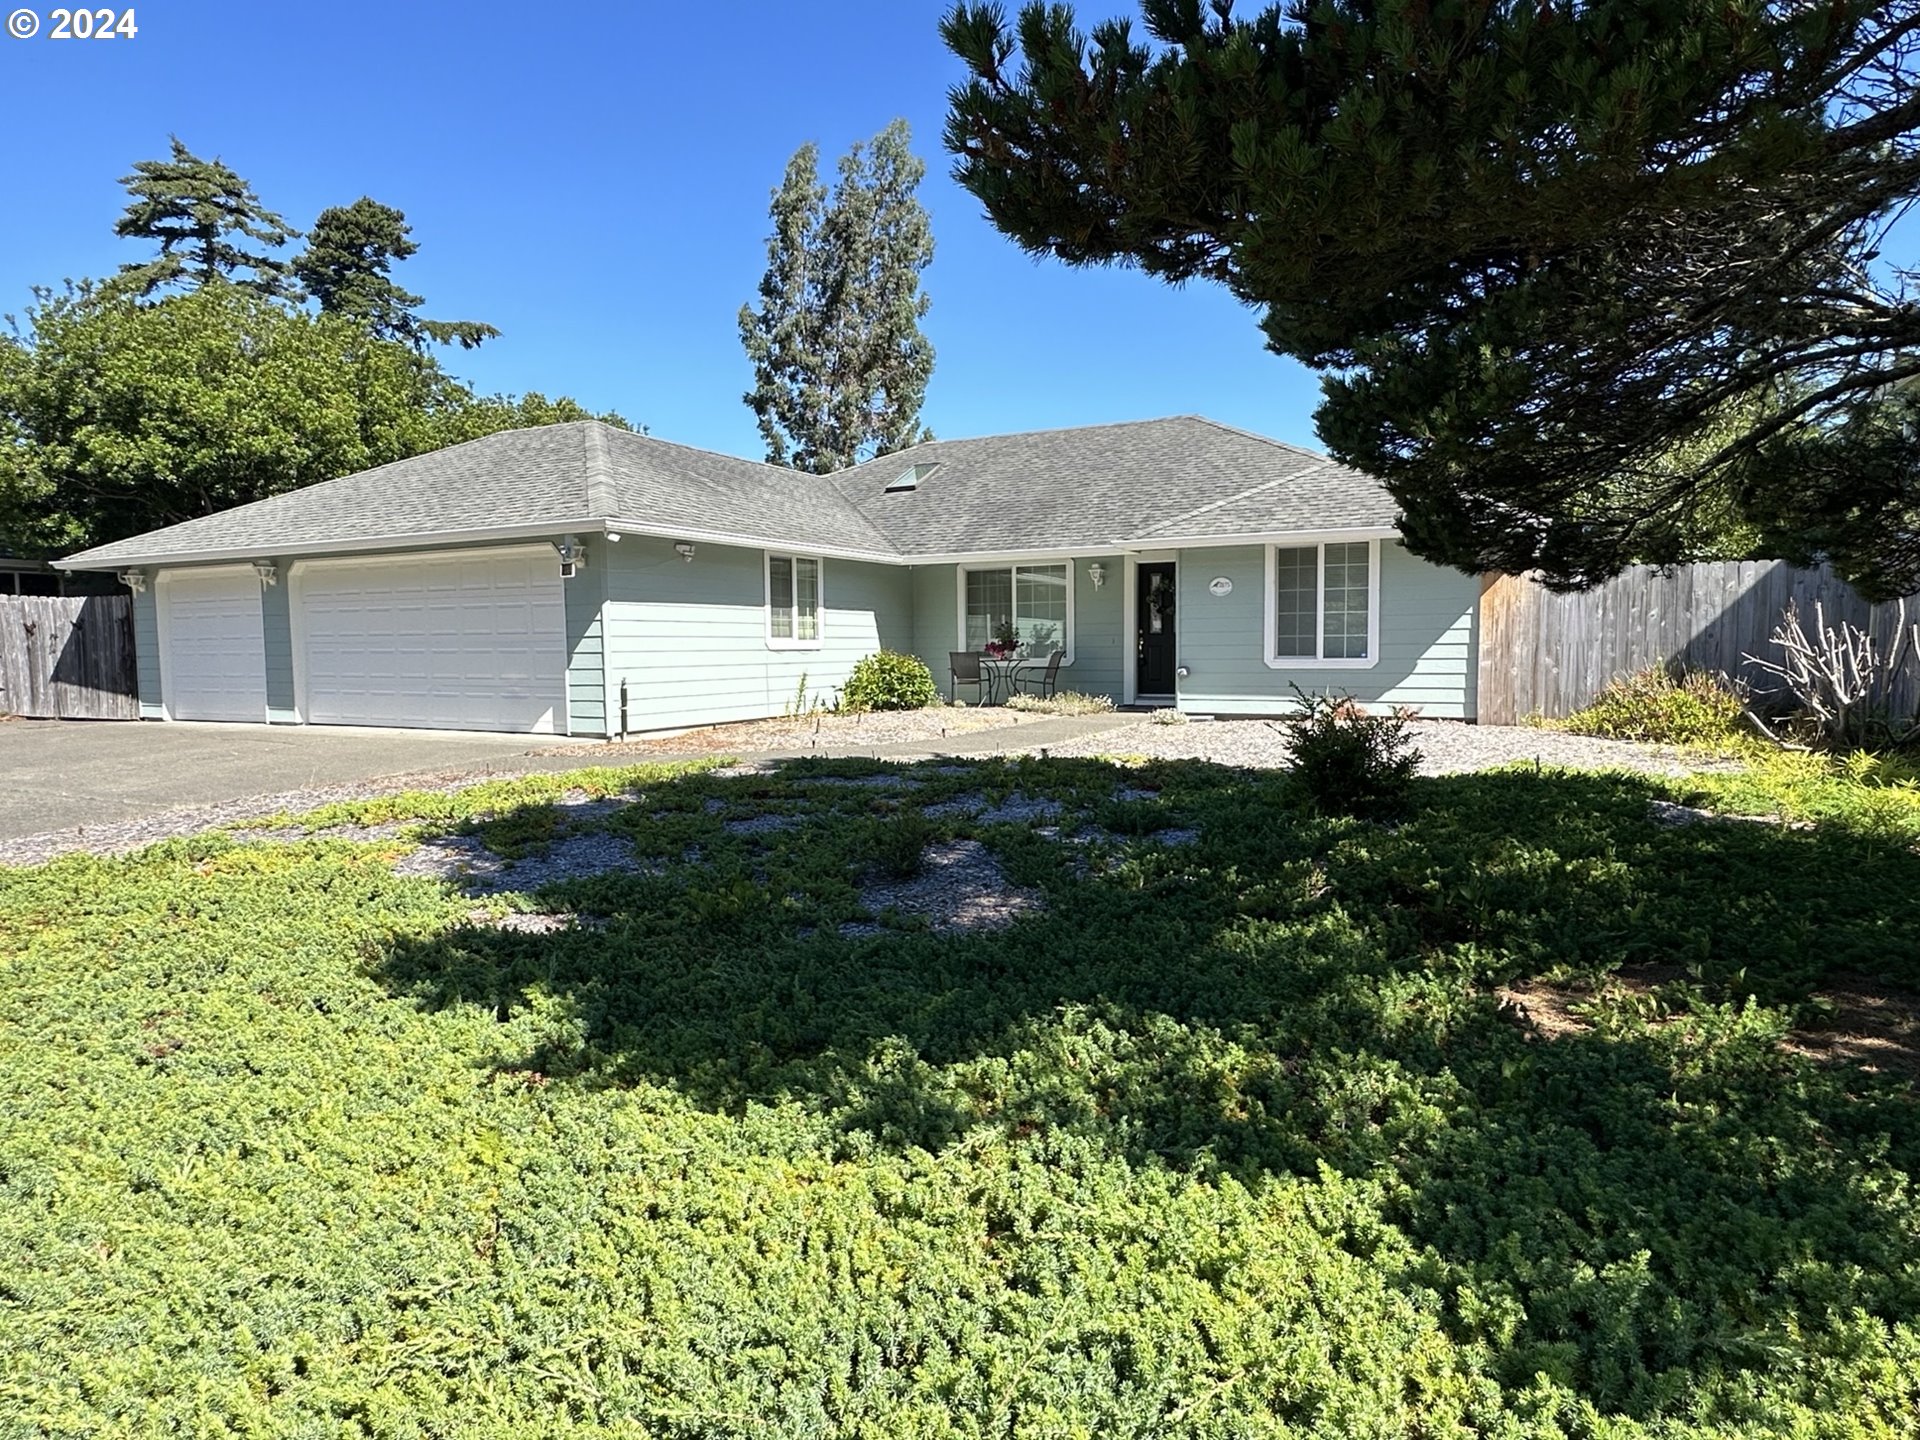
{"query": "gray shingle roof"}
[(1100, 484), (1088, 488)]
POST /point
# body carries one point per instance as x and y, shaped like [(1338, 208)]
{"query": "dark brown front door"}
[(1154, 648)]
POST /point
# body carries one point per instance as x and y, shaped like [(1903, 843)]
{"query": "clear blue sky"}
[(593, 179)]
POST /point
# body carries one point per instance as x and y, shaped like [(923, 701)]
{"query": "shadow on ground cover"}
[(1663, 1216)]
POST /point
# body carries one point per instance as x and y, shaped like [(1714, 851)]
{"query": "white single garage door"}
[(213, 662), (463, 640)]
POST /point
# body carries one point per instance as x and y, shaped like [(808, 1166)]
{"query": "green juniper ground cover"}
[(1232, 1138)]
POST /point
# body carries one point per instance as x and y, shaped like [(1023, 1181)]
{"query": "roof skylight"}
[(911, 477)]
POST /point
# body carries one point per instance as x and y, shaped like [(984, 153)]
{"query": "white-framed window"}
[(793, 602), (1027, 603), (1323, 605)]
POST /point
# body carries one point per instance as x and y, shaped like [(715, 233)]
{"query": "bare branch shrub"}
[(1839, 681)]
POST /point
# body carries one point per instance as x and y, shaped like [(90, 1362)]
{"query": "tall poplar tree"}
[(203, 216), (840, 364)]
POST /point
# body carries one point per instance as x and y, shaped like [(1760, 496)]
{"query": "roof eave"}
[(533, 530), (1259, 537)]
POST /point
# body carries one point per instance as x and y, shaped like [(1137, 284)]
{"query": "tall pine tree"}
[(202, 215), (840, 364), (1580, 277), (347, 267)]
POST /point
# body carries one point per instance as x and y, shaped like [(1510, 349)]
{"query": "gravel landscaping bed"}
[(960, 889), (806, 732), (1447, 747)]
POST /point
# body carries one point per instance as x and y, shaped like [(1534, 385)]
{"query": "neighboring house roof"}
[(1096, 487)]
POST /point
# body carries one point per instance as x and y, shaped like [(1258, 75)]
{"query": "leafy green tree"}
[(475, 416), (124, 416), (347, 267), (201, 214), (840, 364), (1576, 274)]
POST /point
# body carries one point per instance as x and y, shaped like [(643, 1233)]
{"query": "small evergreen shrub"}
[(887, 680), (899, 843), (1065, 702), (1348, 761), (1655, 708)]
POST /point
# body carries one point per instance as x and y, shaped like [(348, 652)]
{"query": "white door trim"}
[(1130, 619)]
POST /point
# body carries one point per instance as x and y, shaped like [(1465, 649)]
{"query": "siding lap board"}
[(1427, 617), (689, 638)]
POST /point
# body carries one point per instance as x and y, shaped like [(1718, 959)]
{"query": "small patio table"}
[(997, 674)]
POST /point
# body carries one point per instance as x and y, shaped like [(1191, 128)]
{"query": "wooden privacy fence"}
[(67, 657), (1548, 654)]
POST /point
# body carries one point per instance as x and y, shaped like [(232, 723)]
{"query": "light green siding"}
[(1100, 632), (1427, 639), (146, 652), (1099, 628), (586, 653), (276, 629), (936, 623), (689, 638)]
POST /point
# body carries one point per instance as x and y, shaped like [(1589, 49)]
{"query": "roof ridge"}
[(641, 435), (1323, 463), (1008, 435), (600, 492), (1267, 440)]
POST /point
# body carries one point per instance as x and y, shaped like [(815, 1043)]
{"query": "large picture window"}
[(793, 602), (1028, 607), (1323, 604)]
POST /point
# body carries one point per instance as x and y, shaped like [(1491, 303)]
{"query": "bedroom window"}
[(1323, 604), (793, 602), (1027, 607)]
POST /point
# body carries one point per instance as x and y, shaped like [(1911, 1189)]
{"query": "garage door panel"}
[(461, 643), (215, 662)]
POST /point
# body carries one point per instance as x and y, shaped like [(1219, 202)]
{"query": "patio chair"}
[(1039, 680), (964, 667)]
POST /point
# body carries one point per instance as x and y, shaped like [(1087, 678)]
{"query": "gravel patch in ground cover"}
[(861, 782), (1447, 747), (1016, 809), (463, 861), (760, 824), (960, 890)]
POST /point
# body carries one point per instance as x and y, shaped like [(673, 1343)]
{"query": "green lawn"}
[(1233, 1139)]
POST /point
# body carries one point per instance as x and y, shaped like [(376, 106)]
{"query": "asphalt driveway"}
[(62, 774)]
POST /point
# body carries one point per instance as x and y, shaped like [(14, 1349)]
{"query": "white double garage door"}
[(454, 640)]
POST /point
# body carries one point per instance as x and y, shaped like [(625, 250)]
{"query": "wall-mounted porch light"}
[(684, 549), (1097, 572), (134, 580), (268, 572), (572, 555)]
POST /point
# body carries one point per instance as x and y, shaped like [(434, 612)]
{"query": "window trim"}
[(1270, 622), (960, 573), (774, 642)]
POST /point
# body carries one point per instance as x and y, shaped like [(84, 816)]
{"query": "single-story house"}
[(580, 579)]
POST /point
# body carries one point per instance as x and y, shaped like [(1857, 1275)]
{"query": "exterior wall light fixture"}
[(684, 549), (1097, 572)]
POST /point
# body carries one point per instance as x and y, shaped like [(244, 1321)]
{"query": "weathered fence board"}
[(67, 657), (1548, 654)]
